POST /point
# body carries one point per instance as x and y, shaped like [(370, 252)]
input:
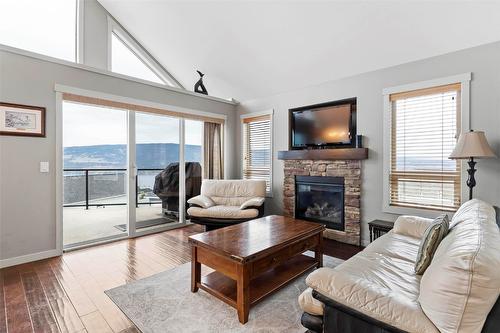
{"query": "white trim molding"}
[(464, 79), (129, 100), (87, 68), (459, 78), (80, 31), (29, 258), (269, 112), (59, 172)]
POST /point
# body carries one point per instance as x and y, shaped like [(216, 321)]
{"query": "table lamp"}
[(469, 146)]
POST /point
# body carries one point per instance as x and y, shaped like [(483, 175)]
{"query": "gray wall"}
[(27, 197), (482, 61), (95, 34)]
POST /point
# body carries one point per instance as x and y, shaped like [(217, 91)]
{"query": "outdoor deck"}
[(82, 225)]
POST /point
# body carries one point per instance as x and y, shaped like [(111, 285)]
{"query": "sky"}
[(86, 125), (125, 62), (25, 24)]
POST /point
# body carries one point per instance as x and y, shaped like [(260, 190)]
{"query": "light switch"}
[(44, 167)]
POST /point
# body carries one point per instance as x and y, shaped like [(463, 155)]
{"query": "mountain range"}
[(148, 156)]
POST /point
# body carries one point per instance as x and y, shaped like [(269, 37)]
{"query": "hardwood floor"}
[(66, 294), (339, 250)]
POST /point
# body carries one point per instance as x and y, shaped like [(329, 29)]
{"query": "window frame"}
[(270, 113), (140, 52), (80, 32), (464, 80)]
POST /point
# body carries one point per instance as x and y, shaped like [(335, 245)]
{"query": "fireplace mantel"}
[(325, 154)]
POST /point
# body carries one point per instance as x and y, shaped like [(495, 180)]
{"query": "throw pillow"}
[(253, 202), (202, 201), (433, 235)]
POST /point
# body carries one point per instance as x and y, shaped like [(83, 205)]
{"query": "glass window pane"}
[(193, 134), (124, 61), (424, 128), (194, 140), (257, 150), (95, 173), (157, 160), (46, 27)]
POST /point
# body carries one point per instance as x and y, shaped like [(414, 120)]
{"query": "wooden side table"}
[(379, 227)]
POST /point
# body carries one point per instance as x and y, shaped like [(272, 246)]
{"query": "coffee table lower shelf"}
[(224, 288)]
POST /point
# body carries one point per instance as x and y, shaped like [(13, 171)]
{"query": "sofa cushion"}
[(202, 201), (459, 288), (232, 192), (433, 235), (379, 282), (310, 304), (413, 226), (223, 212)]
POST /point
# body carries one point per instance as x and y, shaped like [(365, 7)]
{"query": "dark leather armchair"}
[(166, 185)]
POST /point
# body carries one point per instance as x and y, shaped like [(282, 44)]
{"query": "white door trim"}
[(59, 173), (182, 171), (131, 174)]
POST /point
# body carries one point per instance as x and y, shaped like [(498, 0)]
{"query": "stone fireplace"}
[(320, 172), (320, 199)]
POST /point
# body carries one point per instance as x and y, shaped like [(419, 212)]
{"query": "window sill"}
[(429, 213)]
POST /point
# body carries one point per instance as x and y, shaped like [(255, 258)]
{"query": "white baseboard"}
[(29, 258)]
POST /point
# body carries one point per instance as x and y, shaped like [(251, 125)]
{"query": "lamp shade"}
[(472, 144)]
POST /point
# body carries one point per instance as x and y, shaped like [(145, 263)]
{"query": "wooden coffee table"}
[(253, 259)]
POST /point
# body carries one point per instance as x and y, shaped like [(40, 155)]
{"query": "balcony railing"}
[(102, 172)]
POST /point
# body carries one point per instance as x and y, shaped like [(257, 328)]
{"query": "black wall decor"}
[(199, 87)]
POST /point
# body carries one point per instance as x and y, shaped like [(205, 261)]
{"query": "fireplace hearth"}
[(321, 200)]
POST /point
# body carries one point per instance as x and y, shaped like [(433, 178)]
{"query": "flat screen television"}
[(326, 125)]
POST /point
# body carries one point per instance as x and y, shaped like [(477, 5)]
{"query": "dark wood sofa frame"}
[(338, 318), (215, 223)]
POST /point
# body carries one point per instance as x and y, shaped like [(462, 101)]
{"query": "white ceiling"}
[(250, 49)]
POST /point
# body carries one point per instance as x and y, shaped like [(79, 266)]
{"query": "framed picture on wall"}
[(22, 120)]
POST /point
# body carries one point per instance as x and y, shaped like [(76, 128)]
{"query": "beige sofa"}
[(377, 288), (226, 202)]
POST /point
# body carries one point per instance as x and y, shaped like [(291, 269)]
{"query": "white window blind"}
[(424, 129), (257, 150)]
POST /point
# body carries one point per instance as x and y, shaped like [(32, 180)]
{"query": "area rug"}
[(165, 303)]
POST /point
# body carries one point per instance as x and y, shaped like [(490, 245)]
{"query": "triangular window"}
[(125, 61)]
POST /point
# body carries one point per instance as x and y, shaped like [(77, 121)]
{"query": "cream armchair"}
[(225, 202)]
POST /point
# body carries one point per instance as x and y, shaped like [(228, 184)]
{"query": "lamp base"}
[(471, 181)]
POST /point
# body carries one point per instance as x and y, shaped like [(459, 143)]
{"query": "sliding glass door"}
[(193, 157), (157, 149), (126, 173), (95, 171)]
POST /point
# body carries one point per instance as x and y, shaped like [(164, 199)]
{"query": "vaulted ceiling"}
[(250, 49)]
